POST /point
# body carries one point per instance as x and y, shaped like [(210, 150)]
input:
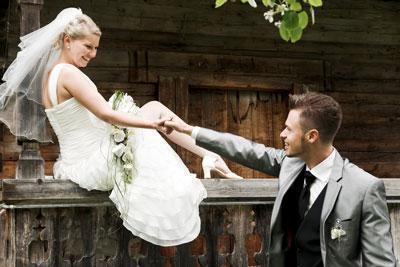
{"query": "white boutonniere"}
[(337, 231)]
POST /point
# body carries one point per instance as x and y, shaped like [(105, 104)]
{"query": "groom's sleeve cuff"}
[(195, 132)]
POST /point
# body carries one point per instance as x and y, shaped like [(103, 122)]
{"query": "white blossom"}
[(128, 167), (337, 233), (269, 15), (126, 104), (252, 3), (122, 145), (118, 150), (118, 135), (278, 24), (128, 155)]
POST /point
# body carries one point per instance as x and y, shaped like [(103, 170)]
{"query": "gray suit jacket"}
[(353, 196)]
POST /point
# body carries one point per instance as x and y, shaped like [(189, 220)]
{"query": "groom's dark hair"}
[(318, 111)]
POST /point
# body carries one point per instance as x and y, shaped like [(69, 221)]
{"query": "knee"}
[(153, 104)]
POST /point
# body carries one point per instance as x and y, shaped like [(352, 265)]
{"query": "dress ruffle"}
[(161, 203)]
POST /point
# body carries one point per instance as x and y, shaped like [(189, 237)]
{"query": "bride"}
[(159, 202)]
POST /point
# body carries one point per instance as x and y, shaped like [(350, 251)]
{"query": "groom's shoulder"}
[(356, 175)]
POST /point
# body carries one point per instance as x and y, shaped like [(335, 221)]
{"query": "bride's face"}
[(81, 51)]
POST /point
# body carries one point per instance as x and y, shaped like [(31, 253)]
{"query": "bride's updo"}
[(78, 28)]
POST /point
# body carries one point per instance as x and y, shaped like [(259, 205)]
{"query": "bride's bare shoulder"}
[(66, 67)]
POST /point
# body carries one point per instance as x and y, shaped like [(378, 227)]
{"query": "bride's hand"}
[(179, 126), (160, 126)]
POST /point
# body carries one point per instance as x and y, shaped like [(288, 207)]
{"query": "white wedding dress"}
[(160, 205)]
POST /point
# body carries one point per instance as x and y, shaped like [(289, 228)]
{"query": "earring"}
[(68, 47)]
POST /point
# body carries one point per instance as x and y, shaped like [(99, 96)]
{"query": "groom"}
[(328, 212)]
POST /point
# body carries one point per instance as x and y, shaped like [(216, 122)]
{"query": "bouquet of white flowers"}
[(121, 148)]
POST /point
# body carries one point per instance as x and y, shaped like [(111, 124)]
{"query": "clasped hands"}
[(167, 125)]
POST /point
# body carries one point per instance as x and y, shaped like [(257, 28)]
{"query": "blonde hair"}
[(78, 28)]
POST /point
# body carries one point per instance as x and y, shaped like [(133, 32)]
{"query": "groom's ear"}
[(312, 136)]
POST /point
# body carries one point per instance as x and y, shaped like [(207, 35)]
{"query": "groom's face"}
[(293, 135)]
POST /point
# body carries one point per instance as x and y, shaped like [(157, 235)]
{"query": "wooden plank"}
[(279, 110), (246, 103), (7, 239), (374, 86), (64, 193), (228, 21), (9, 169), (195, 117)]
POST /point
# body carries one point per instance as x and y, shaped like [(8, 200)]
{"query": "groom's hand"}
[(179, 126), (160, 126)]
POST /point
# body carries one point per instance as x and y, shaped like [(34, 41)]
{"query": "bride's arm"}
[(77, 84)]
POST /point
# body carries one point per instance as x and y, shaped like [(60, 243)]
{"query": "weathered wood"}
[(231, 234), (94, 236), (7, 242), (64, 193), (61, 193), (352, 52), (30, 163)]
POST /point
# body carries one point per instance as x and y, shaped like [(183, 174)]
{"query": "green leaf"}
[(267, 3), (285, 35), (219, 3), (296, 34), (243, 1), (316, 3), (291, 20), (303, 20), (296, 6)]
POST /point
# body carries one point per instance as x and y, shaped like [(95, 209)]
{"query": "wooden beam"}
[(30, 163), (38, 193)]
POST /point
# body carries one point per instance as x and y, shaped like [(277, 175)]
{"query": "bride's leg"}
[(155, 110)]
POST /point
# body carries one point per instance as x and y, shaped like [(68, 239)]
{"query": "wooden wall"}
[(229, 70)]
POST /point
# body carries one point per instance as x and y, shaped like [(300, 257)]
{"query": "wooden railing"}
[(57, 223)]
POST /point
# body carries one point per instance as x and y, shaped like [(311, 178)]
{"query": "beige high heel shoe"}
[(208, 165)]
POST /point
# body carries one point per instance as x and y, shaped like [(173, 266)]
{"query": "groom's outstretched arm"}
[(235, 148), (241, 150)]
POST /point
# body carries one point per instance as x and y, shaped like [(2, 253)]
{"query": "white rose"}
[(337, 233), (118, 150), (118, 135), (128, 155), (126, 104), (128, 167)]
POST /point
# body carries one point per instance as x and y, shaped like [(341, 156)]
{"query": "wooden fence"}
[(57, 223)]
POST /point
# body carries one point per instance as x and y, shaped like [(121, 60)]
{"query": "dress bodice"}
[(79, 132)]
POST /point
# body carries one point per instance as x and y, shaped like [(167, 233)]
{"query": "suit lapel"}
[(284, 187), (333, 187), (332, 192)]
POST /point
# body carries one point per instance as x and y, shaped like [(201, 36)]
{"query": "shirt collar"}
[(324, 169)]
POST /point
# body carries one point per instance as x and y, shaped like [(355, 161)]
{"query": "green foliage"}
[(285, 34), (296, 6), (289, 16), (267, 3), (315, 3), (303, 20), (219, 3), (291, 20)]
